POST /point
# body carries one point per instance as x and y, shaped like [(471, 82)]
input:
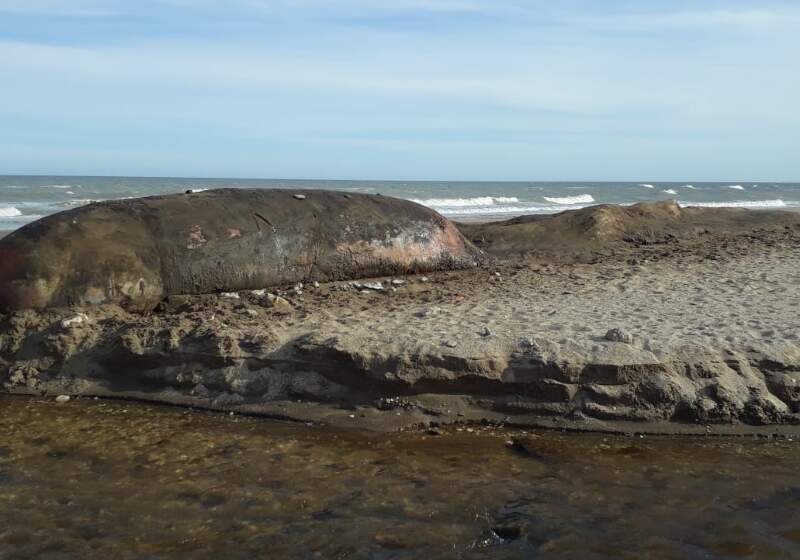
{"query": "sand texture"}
[(645, 327)]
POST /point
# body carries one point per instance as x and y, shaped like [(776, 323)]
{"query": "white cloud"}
[(339, 8), (582, 83), (717, 20), (576, 75), (375, 5), (555, 81), (72, 8)]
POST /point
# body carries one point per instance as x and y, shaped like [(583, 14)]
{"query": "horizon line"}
[(211, 178)]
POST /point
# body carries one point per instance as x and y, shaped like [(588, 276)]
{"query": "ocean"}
[(24, 199)]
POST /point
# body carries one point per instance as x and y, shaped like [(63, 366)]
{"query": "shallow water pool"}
[(100, 479)]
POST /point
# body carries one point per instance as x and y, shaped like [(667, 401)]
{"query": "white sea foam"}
[(647, 185), (736, 187), (466, 202), (504, 210), (81, 201), (9, 212), (580, 199), (670, 191), (777, 203), (689, 187), (57, 186)]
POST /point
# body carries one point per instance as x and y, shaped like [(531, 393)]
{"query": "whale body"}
[(135, 252)]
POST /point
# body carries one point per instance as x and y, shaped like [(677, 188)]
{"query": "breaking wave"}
[(736, 187), (504, 210), (670, 191), (9, 212), (81, 202), (777, 203), (465, 202), (580, 199), (647, 185)]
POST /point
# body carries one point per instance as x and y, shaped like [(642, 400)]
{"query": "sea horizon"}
[(26, 198), (367, 179)]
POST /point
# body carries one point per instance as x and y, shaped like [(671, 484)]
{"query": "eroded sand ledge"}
[(712, 311)]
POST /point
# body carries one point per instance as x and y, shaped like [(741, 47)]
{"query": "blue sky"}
[(402, 89)]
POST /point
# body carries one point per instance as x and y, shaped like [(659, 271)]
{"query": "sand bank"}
[(691, 332)]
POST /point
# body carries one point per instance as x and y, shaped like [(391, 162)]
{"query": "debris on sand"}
[(74, 321), (619, 335)]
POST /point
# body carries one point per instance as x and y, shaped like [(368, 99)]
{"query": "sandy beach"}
[(420, 279), (658, 320)]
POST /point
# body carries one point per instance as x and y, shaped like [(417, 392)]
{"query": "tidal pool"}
[(111, 479)]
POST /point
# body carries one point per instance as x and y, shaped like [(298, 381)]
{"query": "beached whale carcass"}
[(137, 251)]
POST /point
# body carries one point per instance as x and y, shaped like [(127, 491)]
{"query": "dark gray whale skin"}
[(135, 252)]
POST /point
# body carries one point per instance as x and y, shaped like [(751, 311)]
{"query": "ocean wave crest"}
[(776, 203), (736, 187), (580, 199), (9, 212), (670, 191), (465, 202), (81, 202), (647, 185), (504, 210)]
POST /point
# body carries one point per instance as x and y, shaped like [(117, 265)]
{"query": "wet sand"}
[(94, 479)]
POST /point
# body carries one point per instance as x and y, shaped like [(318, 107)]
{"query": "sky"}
[(531, 90)]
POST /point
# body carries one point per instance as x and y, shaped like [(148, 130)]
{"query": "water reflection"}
[(92, 479)]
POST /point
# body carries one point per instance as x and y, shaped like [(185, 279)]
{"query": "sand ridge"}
[(713, 347)]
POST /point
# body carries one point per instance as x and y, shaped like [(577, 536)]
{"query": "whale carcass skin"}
[(135, 252)]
